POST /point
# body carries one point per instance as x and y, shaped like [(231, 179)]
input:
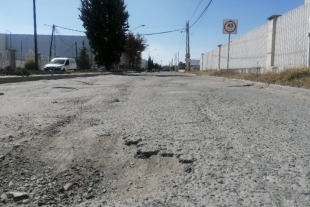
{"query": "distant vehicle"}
[(61, 64)]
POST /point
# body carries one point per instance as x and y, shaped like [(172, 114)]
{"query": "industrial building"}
[(23, 44)]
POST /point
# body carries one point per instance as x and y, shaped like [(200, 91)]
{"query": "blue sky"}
[(16, 16)]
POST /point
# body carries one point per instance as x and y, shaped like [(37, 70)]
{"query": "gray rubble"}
[(165, 139)]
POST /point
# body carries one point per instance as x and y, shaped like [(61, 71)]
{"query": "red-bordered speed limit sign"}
[(230, 26)]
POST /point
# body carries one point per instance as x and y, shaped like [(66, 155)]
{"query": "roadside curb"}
[(15, 79)]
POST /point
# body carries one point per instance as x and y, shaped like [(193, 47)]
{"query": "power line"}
[(61, 38), (181, 41), (195, 10), (142, 34), (189, 9), (199, 22), (166, 26), (163, 32), (65, 28), (70, 29), (202, 13), (70, 48)]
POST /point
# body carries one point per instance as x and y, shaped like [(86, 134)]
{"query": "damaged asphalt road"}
[(155, 139)]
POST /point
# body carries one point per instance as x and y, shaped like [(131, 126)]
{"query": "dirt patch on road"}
[(71, 159)]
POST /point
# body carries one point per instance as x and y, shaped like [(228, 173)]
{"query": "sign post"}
[(229, 27)]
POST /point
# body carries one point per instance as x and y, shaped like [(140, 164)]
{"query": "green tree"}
[(135, 45), (182, 65), (83, 59), (106, 23), (150, 64)]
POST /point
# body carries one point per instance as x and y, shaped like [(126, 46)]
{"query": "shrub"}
[(3, 72), (8, 68), (25, 72), (30, 64)]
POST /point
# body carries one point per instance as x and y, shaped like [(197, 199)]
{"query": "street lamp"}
[(10, 38), (142, 25)]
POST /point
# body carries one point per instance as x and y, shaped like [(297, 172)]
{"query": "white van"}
[(61, 64)]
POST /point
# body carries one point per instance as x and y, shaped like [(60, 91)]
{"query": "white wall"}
[(252, 49), (291, 39)]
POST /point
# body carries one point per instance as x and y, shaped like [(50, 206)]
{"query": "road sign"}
[(187, 55), (230, 26), (187, 60)]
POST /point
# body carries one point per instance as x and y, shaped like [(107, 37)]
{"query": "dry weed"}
[(295, 77)]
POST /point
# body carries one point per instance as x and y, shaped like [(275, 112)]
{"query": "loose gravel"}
[(153, 139)]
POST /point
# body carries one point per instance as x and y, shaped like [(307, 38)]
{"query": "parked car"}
[(61, 64)]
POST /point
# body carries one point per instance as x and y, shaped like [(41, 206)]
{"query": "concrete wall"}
[(291, 39), (280, 43), (24, 46), (2, 42), (24, 43)]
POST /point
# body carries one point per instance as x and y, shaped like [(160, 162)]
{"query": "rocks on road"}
[(163, 139)]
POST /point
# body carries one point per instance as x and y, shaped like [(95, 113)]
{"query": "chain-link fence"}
[(13, 59)]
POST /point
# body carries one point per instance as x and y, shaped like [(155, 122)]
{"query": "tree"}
[(150, 64), (106, 23), (182, 65), (83, 59), (135, 45)]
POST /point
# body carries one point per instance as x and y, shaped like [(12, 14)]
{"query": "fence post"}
[(219, 61), (271, 40), (12, 58), (39, 61)]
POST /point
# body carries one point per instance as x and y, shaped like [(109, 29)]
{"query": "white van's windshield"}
[(58, 61)]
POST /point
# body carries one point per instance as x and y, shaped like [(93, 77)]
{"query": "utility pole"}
[(178, 61), (35, 35), (308, 51), (53, 30), (175, 61), (76, 55), (187, 47), (55, 46)]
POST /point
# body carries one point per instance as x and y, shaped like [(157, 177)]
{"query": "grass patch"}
[(295, 77)]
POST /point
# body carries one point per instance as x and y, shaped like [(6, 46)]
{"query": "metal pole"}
[(76, 55), (35, 35), (189, 51), (308, 55), (21, 52), (228, 52), (201, 62), (50, 57), (10, 40)]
